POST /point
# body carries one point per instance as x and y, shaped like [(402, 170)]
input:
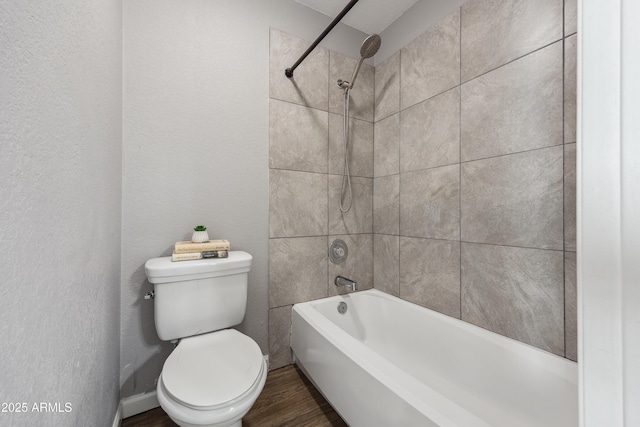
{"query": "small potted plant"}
[(200, 234)]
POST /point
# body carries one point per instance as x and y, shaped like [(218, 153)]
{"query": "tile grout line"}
[(515, 59), (269, 219), (483, 158), (460, 163), (327, 266), (564, 254), (399, 167), (502, 245)]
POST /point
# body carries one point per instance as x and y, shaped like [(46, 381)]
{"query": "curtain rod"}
[(289, 71)]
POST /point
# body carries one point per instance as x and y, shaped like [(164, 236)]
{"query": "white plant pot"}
[(200, 236)]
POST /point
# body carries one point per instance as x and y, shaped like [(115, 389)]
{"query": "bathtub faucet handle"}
[(348, 284)]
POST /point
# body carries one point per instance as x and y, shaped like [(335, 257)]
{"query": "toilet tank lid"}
[(161, 269)]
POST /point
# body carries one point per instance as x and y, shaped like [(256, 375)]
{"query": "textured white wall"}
[(196, 146), (60, 209)]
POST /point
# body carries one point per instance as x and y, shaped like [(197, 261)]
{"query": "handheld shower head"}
[(369, 47)]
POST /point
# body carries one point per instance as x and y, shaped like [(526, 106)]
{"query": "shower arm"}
[(289, 71)]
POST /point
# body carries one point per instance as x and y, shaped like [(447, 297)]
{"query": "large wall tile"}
[(297, 203), (298, 137), (570, 197), (430, 203), (517, 292), (361, 104), (386, 146), (430, 274), (430, 132), (310, 80), (514, 200), (360, 146), (570, 88), (297, 270), (280, 337), (386, 267), (387, 87), (386, 205), (359, 219), (570, 17), (570, 306), (515, 108), (495, 32), (431, 63), (358, 265)]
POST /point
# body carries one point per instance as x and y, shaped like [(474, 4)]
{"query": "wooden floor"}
[(287, 400)]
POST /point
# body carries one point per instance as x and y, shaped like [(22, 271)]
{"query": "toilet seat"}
[(213, 371), (226, 416)]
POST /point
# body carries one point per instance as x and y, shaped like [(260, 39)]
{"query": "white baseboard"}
[(117, 419), (139, 403)]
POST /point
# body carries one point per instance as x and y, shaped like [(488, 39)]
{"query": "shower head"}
[(369, 47)]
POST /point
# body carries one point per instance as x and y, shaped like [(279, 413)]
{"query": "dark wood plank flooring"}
[(287, 400)]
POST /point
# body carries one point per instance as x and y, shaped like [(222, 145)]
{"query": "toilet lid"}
[(212, 369)]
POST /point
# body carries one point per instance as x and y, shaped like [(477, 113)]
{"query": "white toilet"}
[(214, 375)]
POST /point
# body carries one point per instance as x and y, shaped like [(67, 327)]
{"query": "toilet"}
[(215, 374)]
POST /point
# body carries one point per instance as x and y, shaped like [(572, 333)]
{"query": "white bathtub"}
[(387, 362)]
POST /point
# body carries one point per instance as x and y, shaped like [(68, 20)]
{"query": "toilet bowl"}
[(212, 379), (215, 374)]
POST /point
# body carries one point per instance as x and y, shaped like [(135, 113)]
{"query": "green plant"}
[(200, 228)]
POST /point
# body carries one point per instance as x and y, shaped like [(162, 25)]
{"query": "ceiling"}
[(368, 16)]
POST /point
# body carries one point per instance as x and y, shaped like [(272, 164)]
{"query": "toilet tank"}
[(198, 296)]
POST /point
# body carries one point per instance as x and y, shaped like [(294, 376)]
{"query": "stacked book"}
[(186, 251)]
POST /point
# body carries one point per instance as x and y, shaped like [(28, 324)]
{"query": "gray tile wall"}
[(463, 163), (474, 170), (306, 162)]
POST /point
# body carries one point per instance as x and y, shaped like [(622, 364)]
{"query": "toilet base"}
[(183, 424)]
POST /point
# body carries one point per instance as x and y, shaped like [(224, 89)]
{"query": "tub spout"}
[(348, 284)]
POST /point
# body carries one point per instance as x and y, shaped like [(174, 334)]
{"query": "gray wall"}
[(196, 147), (306, 163), (474, 189), (60, 206)]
